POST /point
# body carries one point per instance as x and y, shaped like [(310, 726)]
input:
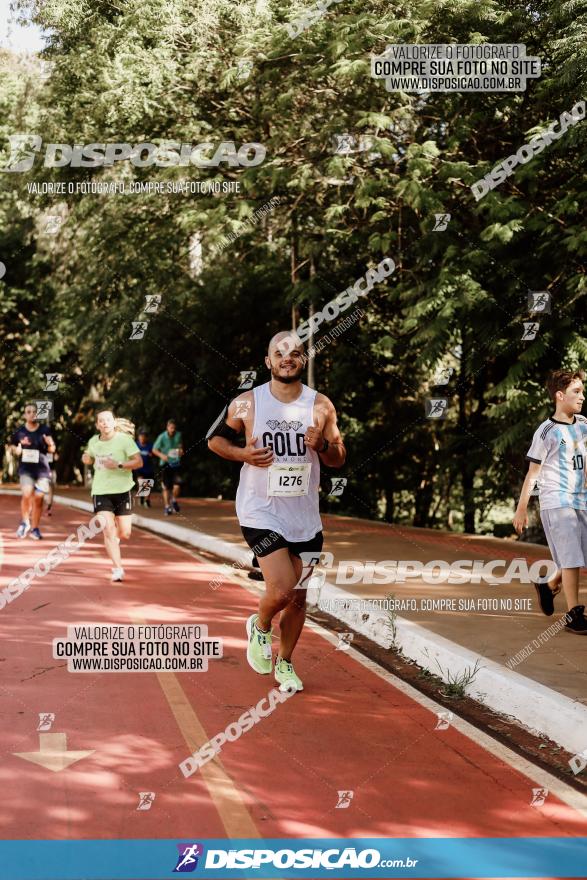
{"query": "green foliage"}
[(172, 70)]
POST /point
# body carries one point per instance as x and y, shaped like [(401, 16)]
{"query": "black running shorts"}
[(265, 541), (119, 503), (170, 477)]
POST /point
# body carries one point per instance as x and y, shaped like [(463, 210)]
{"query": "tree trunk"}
[(468, 466), (389, 501)]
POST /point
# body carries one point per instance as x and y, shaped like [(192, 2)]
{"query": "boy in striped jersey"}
[(557, 456)]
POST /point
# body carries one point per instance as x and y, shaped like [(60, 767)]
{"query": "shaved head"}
[(285, 357), (292, 341)]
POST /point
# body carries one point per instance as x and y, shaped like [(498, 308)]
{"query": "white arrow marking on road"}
[(53, 752)]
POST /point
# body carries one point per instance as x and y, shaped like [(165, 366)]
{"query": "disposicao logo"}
[(187, 860)]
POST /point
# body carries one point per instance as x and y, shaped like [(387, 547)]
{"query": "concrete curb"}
[(539, 708)]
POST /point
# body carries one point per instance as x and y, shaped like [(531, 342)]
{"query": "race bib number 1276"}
[(288, 480)]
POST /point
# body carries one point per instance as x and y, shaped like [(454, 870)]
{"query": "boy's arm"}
[(520, 520)]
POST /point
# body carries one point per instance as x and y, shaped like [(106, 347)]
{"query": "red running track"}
[(352, 729)]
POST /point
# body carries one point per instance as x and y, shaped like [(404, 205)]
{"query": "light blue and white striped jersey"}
[(561, 450)]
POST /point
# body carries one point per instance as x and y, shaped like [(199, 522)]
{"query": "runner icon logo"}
[(436, 407), (52, 225), (442, 375), (52, 381), (578, 762), (146, 799), (539, 302), (244, 67), (242, 409), (187, 860), (344, 641), (153, 301), (531, 329), (539, 795), (344, 800), (44, 408), (138, 329), (338, 486), (444, 719), (46, 719), (441, 222), (311, 558), (247, 378), (145, 486)]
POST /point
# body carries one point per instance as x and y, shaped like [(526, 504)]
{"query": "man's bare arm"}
[(226, 447), (327, 430), (520, 520)]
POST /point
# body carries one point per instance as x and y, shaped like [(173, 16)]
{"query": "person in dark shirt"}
[(31, 443), (146, 471)]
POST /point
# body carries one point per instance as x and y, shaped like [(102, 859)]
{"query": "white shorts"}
[(566, 532), (41, 485)]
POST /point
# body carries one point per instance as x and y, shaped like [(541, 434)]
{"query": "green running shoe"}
[(259, 647), (286, 676)]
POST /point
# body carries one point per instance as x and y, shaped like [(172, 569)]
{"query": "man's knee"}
[(278, 594), (109, 528), (298, 600)]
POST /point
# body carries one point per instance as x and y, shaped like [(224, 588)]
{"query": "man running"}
[(289, 430), (168, 447), (557, 457), (114, 454), (31, 442)]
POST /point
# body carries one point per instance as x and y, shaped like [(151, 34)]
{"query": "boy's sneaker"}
[(286, 676), (176, 506), (258, 647), (576, 621), (23, 529), (35, 534), (546, 597), (168, 511), (117, 574)]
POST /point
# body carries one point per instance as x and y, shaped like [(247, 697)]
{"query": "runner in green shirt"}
[(168, 447), (114, 454)]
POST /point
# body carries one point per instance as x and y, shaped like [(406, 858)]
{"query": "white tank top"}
[(282, 427)]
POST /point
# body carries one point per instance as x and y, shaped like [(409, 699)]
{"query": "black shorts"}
[(170, 477), (120, 503), (265, 541)]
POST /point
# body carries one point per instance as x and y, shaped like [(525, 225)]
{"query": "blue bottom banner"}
[(530, 857)]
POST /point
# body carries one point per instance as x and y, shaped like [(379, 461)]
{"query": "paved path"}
[(354, 728), (559, 662)]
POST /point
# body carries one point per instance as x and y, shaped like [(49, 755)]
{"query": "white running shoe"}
[(117, 574), (23, 529)]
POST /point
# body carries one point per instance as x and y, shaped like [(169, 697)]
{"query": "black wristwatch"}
[(120, 464), (325, 447)]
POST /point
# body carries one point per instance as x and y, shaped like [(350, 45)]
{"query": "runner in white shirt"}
[(289, 429), (558, 456)]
